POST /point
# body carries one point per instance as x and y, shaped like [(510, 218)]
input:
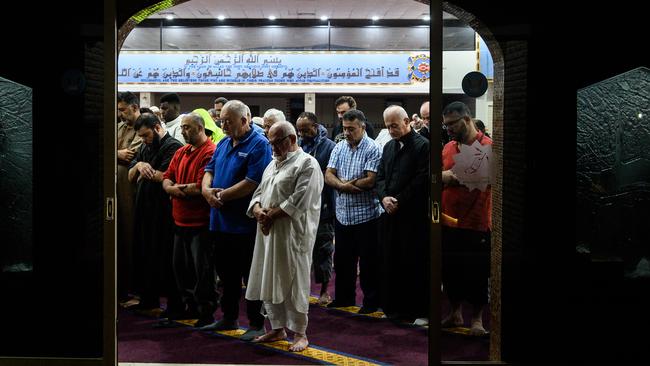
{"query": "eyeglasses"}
[(277, 142), (451, 123)]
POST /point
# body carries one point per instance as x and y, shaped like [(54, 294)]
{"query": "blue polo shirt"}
[(230, 165)]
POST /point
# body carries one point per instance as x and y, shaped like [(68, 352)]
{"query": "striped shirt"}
[(351, 163)]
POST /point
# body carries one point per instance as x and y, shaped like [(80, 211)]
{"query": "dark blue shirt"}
[(229, 166), (320, 147)]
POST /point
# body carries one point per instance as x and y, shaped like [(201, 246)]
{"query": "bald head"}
[(395, 110), (397, 121), (424, 113), (282, 129), (193, 129)]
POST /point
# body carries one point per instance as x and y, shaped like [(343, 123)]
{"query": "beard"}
[(155, 144), (459, 135), (279, 156), (308, 139), (189, 139)]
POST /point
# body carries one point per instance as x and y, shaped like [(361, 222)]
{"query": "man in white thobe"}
[(286, 205)]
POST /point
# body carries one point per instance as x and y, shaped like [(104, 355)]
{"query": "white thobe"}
[(282, 260), (175, 130)]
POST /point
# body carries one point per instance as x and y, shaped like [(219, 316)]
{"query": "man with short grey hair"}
[(272, 116), (231, 177), (403, 187)]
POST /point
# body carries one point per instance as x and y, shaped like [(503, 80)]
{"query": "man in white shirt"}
[(286, 205), (170, 107)]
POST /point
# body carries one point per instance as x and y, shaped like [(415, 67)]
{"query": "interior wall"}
[(372, 106)]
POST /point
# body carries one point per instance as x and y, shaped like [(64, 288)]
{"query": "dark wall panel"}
[(613, 168), (15, 177)]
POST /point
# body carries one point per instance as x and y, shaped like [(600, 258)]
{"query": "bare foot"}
[(452, 321), (300, 343), (477, 328), (324, 299), (272, 336)]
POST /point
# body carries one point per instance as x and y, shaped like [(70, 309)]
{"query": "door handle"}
[(110, 209), (435, 212)]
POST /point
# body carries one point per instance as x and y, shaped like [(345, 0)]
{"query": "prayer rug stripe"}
[(312, 352)]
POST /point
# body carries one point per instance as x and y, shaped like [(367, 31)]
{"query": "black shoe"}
[(166, 323), (146, 310), (252, 333), (222, 324), (367, 310), (202, 322), (338, 304)]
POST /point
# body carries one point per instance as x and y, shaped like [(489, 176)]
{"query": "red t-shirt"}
[(473, 209), (187, 167)]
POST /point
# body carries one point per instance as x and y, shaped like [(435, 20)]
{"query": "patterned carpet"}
[(337, 336)]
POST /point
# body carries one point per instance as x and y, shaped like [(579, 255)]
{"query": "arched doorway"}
[(130, 24), (497, 193)]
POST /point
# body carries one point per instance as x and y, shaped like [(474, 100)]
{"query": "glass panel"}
[(293, 38), (143, 39), (466, 204), (237, 38), (458, 39), (376, 38)]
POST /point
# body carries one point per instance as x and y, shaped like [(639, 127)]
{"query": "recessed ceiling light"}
[(324, 17), (426, 18), (375, 18), (272, 17), (221, 17), (169, 17)]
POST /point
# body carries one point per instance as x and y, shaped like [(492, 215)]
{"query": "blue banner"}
[(247, 68), (486, 62)]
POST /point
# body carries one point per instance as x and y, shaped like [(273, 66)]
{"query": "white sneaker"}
[(421, 321)]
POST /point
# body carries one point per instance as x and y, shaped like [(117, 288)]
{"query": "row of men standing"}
[(228, 175)]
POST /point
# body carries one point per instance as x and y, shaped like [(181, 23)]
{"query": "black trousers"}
[(323, 249), (194, 269), (153, 271), (233, 256), (466, 265), (405, 267), (357, 244)]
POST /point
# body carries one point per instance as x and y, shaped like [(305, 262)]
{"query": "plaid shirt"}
[(356, 208)]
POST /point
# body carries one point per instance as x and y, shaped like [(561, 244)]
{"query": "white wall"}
[(484, 109), (455, 65)]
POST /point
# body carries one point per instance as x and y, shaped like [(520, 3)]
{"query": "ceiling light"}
[(426, 18), (324, 18), (169, 16), (221, 17), (375, 18), (272, 17)]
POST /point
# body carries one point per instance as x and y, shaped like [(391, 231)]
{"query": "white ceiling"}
[(298, 9)]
